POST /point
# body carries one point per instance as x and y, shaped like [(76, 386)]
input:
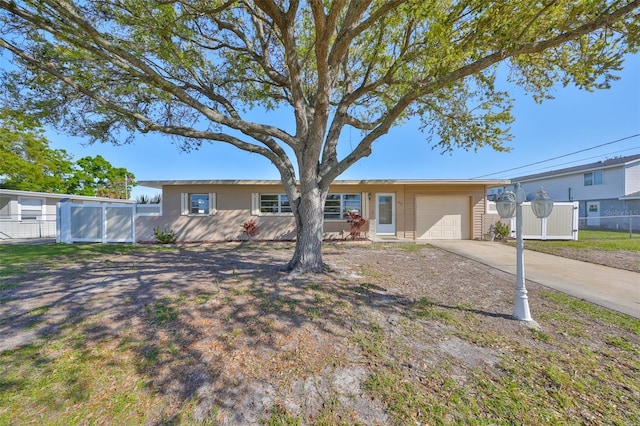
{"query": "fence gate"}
[(99, 223), (562, 223)]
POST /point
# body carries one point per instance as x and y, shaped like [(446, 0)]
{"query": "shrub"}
[(356, 222), (165, 236), (249, 228), (501, 230)]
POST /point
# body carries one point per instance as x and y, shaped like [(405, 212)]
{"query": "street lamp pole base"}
[(521, 309)]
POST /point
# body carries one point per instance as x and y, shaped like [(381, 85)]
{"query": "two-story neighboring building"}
[(608, 191)]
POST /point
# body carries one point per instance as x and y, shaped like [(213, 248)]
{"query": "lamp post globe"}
[(506, 204), (542, 205)]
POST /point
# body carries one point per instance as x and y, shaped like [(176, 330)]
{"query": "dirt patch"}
[(228, 337)]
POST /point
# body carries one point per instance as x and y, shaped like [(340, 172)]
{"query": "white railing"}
[(44, 226), (148, 209)]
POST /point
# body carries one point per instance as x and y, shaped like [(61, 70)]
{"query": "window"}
[(274, 204), (335, 208), (5, 207), (338, 205), (594, 178), (30, 209), (198, 204)]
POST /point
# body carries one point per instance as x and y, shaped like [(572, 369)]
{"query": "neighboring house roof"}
[(611, 162), (493, 182), (632, 196), (62, 196)]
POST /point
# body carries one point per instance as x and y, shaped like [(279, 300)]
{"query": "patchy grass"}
[(71, 380), (161, 312), (595, 312), (20, 259)]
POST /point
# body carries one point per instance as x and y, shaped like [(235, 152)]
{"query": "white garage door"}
[(442, 217)]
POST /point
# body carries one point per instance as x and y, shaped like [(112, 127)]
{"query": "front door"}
[(385, 214), (593, 213)]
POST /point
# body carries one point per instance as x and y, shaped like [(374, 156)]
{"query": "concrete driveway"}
[(613, 288)]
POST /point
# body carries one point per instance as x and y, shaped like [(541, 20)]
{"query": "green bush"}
[(165, 237), (501, 230)]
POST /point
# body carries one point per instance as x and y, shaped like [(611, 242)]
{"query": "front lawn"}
[(607, 248), (217, 334), (595, 240)]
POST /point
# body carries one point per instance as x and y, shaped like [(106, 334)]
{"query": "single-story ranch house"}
[(214, 210)]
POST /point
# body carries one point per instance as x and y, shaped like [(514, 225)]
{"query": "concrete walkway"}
[(613, 288)]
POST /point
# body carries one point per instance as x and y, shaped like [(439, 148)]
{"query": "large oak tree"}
[(193, 68)]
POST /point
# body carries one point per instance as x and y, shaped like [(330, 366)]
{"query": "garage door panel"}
[(442, 217)]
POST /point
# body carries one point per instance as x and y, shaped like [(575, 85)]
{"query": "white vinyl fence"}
[(100, 223), (562, 224), (44, 226)]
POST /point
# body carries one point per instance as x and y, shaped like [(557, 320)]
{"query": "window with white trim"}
[(30, 208), (338, 205), (198, 204), (594, 178), (274, 204), (335, 208)]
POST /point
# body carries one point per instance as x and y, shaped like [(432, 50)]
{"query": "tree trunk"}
[(309, 225)]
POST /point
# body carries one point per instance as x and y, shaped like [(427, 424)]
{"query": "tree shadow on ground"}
[(218, 328)]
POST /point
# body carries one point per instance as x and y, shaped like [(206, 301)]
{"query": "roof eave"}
[(158, 184), (19, 192)]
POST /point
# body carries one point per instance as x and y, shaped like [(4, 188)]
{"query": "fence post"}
[(134, 211), (104, 224), (58, 222)]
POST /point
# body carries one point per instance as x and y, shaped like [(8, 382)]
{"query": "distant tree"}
[(95, 176), (26, 161), (195, 69)]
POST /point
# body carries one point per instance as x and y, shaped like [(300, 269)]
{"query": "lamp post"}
[(507, 204)]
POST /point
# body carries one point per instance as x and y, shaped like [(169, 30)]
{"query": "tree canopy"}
[(193, 69), (28, 163)]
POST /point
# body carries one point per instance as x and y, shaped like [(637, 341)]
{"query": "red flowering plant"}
[(356, 222), (250, 228)]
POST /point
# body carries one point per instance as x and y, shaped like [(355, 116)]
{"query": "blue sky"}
[(575, 120)]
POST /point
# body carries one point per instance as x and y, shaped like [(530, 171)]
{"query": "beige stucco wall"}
[(233, 207)]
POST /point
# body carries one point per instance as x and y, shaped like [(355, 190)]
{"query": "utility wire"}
[(582, 160), (560, 156)]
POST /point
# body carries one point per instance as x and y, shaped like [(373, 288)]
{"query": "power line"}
[(581, 160), (560, 156)]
